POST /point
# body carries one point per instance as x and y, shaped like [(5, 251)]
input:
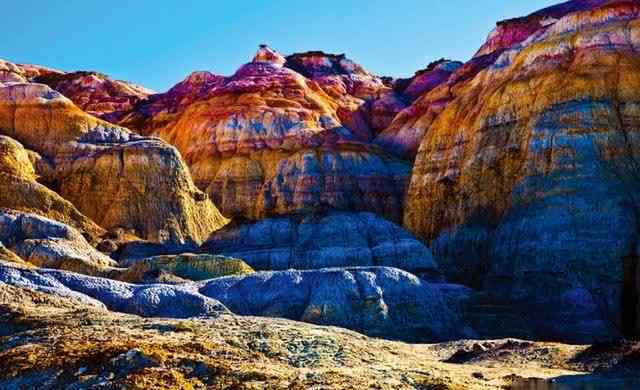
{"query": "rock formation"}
[(96, 93), (180, 268), (269, 141), (20, 191), (116, 178), (154, 300), (397, 136), (46, 243), (526, 182), (337, 239), (382, 302)]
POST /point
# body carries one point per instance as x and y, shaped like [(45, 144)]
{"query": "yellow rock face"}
[(185, 266), (20, 191), (117, 179)]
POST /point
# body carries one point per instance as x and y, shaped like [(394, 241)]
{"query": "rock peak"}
[(267, 54)]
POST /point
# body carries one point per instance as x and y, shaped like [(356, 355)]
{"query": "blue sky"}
[(157, 43)]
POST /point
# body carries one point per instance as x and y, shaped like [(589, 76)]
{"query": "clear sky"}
[(156, 43)]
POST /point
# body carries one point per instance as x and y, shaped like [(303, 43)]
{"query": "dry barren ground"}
[(49, 343)]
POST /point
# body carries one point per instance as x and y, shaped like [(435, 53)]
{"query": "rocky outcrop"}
[(180, 268), (322, 241), (526, 182), (155, 300), (20, 191), (116, 178), (383, 302), (269, 141), (398, 137), (96, 93), (46, 243)]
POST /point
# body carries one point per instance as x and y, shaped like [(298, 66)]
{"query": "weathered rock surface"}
[(19, 190), (116, 178), (96, 93), (327, 240), (269, 141), (383, 302), (183, 267), (51, 244), (154, 300), (398, 137), (74, 345), (526, 182)]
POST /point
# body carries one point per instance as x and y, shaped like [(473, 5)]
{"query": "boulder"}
[(334, 239)]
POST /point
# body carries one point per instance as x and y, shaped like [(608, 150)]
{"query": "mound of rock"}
[(383, 302), (335, 239), (526, 183), (96, 93), (20, 191), (154, 300), (269, 141), (116, 178), (51, 244)]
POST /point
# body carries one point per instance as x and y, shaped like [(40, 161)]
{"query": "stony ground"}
[(48, 343)]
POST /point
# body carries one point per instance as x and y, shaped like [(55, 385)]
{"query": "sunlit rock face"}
[(96, 93), (334, 239), (116, 178), (270, 141), (526, 182), (20, 191), (366, 102)]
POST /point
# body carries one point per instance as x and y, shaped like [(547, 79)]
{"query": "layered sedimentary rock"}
[(325, 240), (269, 141), (20, 191), (96, 93), (116, 178), (526, 182), (46, 243), (396, 136), (366, 103)]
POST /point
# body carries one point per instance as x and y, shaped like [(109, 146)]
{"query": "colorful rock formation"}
[(116, 178), (526, 182), (382, 302), (20, 191), (322, 241), (398, 137), (96, 93), (268, 141)]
